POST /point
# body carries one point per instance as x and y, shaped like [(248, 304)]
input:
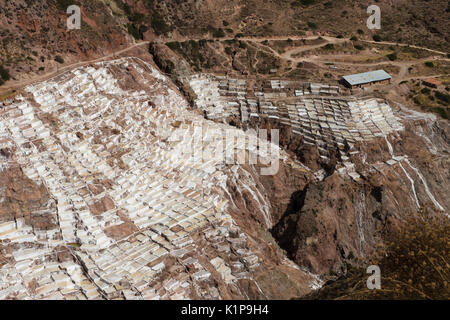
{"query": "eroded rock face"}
[(24, 200), (360, 166), (330, 223)]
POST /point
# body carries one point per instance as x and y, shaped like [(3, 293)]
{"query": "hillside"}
[(111, 25), (209, 149)]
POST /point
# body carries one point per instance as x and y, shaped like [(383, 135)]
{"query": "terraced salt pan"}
[(315, 112), (321, 120), (105, 133)]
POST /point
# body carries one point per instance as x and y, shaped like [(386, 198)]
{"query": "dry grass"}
[(413, 261), (8, 95)]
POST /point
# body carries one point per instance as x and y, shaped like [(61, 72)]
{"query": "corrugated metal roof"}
[(366, 77)]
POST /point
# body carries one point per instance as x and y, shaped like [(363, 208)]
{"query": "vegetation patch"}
[(4, 75), (158, 23), (302, 3), (431, 101), (392, 56), (312, 25), (191, 51), (59, 59), (377, 38), (266, 62), (412, 261)]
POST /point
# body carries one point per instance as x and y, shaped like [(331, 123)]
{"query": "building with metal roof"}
[(366, 78)]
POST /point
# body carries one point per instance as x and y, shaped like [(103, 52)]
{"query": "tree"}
[(218, 33), (376, 37), (392, 56), (59, 59), (4, 74), (312, 25)]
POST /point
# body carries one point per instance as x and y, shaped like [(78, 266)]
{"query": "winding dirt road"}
[(15, 85), (20, 84)]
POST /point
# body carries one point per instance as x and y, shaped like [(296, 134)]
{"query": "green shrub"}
[(312, 25), (377, 38), (218, 33), (158, 23), (174, 45), (4, 74), (354, 38), (194, 45), (442, 96), (302, 2), (134, 31), (136, 17), (442, 112), (64, 4), (142, 29), (126, 8), (425, 90), (429, 64), (392, 56), (59, 59)]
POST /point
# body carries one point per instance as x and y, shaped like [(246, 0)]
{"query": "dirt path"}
[(404, 45), (17, 85), (286, 55), (425, 77), (328, 38), (403, 65), (290, 53)]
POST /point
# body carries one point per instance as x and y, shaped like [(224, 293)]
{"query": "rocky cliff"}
[(336, 203)]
